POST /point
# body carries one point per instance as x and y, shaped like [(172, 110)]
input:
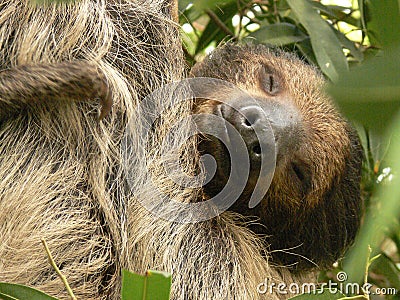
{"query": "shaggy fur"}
[(62, 176), (61, 173)]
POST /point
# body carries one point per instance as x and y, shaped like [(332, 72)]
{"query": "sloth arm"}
[(71, 81)]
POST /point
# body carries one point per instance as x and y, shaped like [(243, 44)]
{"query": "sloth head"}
[(311, 211)]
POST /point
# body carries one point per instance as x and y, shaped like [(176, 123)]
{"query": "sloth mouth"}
[(227, 146)]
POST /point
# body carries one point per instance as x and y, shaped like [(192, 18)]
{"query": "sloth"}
[(64, 178), (311, 211)]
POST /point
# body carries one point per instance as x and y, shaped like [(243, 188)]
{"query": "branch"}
[(219, 23)]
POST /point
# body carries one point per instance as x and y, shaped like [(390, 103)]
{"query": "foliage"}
[(356, 47), (154, 285), (311, 29), (10, 291)]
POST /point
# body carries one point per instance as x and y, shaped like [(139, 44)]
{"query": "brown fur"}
[(62, 176), (315, 219)]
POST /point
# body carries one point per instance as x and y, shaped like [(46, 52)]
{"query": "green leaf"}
[(212, 4), (355, 52), (213, 32), (183, 4), (325, 10), (370, 93), (198, 7), (326, 45), (190, 15), (154, 285), (324, 294), (336, 12), (383, 265), (21, 292), (306, 49), (385, 20), (279, 34), (5, 297), (363, 16), (389, 194)]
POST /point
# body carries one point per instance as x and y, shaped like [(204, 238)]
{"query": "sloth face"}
[(313, 203)]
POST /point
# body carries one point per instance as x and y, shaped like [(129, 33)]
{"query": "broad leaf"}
[(279, 34), (385, 20), (212, 4), (370, 93), (335, 12), (154, 285), (326, 45), (306, 49), (354, 51), (21, 292)]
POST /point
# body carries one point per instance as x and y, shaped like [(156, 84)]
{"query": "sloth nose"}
[(255, 121), (252, 124)]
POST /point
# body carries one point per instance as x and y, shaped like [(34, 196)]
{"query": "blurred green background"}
[(355, 43)]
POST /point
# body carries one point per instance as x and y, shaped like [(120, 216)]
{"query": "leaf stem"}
[(53, 264)]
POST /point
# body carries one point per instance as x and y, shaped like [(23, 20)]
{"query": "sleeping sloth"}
[(312, 208)]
